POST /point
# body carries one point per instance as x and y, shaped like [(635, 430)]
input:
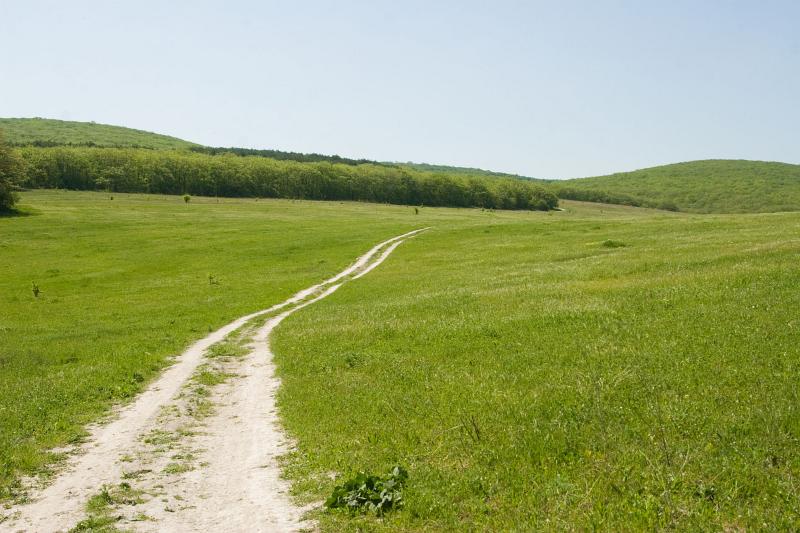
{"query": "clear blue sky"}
[(546, 89)]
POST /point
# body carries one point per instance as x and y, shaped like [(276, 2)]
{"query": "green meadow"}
[(599, 367), (595, 369), (125, 283)]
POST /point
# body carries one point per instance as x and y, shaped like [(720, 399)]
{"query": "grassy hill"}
[(712, 186), (49, 132), (86, 156)]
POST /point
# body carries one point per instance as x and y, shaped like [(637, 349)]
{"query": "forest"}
[(229, 175)]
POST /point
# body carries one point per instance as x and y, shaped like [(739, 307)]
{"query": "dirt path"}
[(197, 450)]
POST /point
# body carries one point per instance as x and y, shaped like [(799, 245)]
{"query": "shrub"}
[(365, 493)]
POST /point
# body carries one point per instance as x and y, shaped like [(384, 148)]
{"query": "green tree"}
[(10, 171), (200, 174)]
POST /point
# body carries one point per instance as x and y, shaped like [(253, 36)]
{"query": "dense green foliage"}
[(185, 172), (49, 132), (598, 369), (713, 186), (364, 493), (10, 171), (600, 197), (466, 170), (281, 155)]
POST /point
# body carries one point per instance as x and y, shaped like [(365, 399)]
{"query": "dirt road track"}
[(232, 481)]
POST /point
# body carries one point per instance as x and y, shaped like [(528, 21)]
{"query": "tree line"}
[(281, 155), (11, 172), (226, 174), (605, 197)]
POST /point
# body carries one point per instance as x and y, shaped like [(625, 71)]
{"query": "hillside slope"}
[(49, 132), (711, 186)]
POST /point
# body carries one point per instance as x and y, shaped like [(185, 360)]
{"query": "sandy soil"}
[(196, 458)]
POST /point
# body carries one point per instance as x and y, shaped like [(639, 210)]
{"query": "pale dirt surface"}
[(216, 472)]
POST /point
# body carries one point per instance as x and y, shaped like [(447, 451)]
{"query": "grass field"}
[(601, 367), (713, 186), (125, 283)]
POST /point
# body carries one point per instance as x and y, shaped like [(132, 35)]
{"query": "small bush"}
[(365, 493), (613, 244)]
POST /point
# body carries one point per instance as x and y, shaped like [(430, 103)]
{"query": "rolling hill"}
[(711, 186), (49, 132)]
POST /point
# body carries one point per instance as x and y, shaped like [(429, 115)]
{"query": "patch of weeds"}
[(79, 437), (706, 492), (122, 494), (610, 243), (186, 432), (168, 411), (96, 524), (99, 508), (159, 437), (177, 468), (227, 348), (200, 408), (100, 501), (209, 377), (352, 360), (367, 493), (184, 456), (135, 474)]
